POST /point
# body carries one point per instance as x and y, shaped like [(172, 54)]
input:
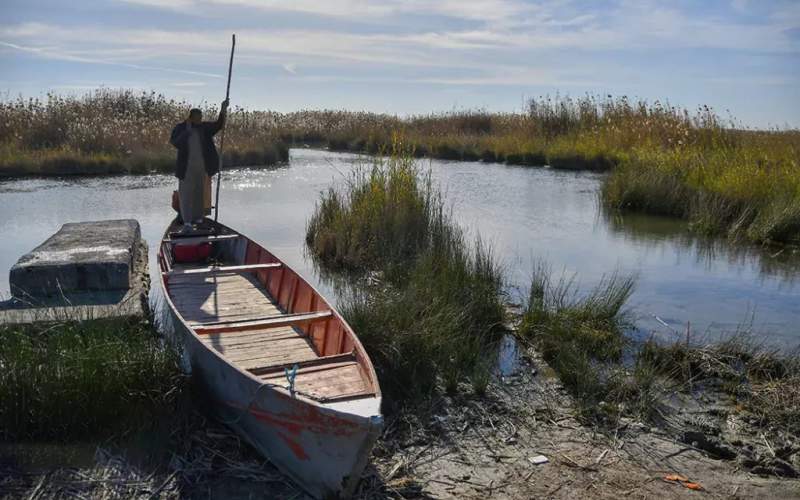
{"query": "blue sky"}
[(413, 56)]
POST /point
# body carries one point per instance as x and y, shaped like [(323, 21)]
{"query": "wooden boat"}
[(282, 367)]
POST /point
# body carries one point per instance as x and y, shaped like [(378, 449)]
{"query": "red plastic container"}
[(197, 252)]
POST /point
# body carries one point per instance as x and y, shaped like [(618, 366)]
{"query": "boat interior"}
[(261, 316)]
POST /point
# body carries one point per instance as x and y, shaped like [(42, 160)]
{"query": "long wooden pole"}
[(222, 139)]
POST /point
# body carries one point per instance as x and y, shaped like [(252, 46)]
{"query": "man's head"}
[(195, 116)]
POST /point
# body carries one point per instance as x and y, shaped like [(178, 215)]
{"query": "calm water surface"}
[(527, 214)]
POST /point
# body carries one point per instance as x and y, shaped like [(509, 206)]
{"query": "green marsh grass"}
[(748, 189), (76, 379), (581, 336), (437, 308), (385, 215)]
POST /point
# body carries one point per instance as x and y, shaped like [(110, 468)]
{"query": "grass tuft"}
[(578, 335), (78, 379), (437, 307)]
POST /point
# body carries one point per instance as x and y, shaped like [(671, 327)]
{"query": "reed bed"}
[(75, 379), (722, 177), (761, 379), (116, 131), (582, 336), (434, 306), (719, 175)]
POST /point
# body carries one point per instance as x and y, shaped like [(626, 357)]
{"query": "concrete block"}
[(132, 303), (80, 257)]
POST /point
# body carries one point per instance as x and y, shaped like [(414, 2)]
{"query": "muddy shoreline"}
[(462, 446)]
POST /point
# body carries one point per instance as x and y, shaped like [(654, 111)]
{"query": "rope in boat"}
[(290, 376)]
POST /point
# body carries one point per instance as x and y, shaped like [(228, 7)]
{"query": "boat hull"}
[(323, 447), (323, 451)]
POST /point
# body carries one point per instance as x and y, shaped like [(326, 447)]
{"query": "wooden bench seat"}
[(222, 269), (322, 360), (326, 382), (266, 322), (252, 350), (209, 298), (176, 239)]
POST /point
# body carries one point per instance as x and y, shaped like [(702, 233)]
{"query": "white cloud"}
[(663, 27), (478, 10), (500, 76), (59, 53), (498, 25), (500, 32), (334, 8), (164, 4), (739, 5)]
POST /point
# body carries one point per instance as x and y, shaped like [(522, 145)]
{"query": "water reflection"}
[(653, 232), (508, 356)]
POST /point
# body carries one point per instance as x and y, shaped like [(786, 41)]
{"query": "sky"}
[(413, 56)]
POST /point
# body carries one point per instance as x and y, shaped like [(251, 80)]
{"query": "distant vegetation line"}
[(721, 177), (113, 132)]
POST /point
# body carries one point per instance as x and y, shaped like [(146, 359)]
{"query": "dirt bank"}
[(460, 447)]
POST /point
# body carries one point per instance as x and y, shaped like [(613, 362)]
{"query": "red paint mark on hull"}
[(307, 418), (293, 445)]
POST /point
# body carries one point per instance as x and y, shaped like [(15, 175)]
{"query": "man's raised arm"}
[(223, 113)]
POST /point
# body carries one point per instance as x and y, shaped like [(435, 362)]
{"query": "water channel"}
[(527, 214)]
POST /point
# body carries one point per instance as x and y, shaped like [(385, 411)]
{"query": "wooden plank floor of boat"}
[(239, 296), (223, 296)]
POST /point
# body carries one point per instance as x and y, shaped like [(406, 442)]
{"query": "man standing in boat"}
[(197, 160)]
